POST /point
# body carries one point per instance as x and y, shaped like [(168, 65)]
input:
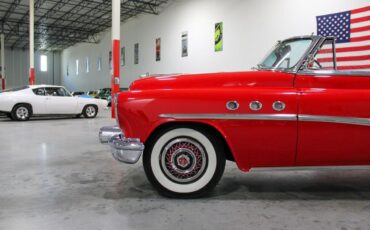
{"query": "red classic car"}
[(297, 108)]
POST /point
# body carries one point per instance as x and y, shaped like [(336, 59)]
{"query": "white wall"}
[(251, 28), (17, 68)]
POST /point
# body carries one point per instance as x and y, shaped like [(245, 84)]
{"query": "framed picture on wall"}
[(110, 60), (184, 44), (136, 58), (158, 49), (123, 56), (219, 37)]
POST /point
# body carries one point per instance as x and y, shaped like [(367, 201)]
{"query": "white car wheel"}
[(184, 162), (21, 112), (90, 111)]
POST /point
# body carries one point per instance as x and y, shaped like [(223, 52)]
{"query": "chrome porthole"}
[(183, 160), (255, 105), (278, 106), (232, 105)]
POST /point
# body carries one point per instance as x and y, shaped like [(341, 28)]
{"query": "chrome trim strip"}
[(335, 119), (335, 73), (268, 117), (272, 117)]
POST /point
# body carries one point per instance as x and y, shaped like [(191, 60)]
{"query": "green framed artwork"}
[(219, 45)]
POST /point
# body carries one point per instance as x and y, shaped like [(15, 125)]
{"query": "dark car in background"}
[(78, 93), (106, 94)]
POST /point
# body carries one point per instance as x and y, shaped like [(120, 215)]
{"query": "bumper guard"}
[(125, 150)]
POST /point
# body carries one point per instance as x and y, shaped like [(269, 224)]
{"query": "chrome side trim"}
[(266, 117), (335, 119), (273, 117), (335, 73)]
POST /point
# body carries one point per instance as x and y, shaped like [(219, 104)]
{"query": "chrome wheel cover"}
[(183, 160), (22, 113), (90, 111)]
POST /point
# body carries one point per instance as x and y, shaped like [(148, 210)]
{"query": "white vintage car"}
[(22, 103)]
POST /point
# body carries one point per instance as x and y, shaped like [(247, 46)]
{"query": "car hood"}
[(215, 80)]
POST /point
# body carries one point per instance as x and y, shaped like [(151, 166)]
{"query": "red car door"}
[(334, 118)]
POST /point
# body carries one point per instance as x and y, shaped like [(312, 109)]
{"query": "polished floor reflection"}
[(55, 175)]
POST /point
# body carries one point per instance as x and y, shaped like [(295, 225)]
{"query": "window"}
[(43, 63), (39, 91), (87, 65), (99, 63), (324, 58), (77, 62), (286, 55), (58, 92)]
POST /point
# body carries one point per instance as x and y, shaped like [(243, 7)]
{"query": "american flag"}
[(352, 32)]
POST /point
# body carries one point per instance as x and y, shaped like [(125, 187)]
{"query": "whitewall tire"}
[(184, 162)]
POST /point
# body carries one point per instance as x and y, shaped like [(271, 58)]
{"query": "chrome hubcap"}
[(183, 160), (90, 111), (22, 113)]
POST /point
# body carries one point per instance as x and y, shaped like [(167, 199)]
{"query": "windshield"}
[(286, 54)]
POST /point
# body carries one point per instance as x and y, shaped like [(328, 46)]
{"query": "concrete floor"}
[(55, 175)]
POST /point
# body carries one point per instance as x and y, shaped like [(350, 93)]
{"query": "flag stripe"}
[(360, 29), (343, 54), (359, 39), (346, 63), (360, 34), (352, 30), (350, 58), (354, 44), (360, 10), (360, 24), (350, 67), (354, 67), (346, 49), (360, 15), (361, 19)]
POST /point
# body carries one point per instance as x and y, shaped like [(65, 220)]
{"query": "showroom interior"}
[(151, 74)]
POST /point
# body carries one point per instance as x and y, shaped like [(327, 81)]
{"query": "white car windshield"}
[(286, 54)]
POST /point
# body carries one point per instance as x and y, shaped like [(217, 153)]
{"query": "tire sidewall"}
[(14, 112), (209, 178), (85, 114)]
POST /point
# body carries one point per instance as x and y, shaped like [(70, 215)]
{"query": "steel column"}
[(2, 38), (116, 44), (32, 43)]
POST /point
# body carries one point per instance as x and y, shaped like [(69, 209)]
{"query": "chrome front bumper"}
[(126, 150)]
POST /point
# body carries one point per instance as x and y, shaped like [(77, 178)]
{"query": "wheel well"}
[(196, 125), (96, 107), (23, 103)]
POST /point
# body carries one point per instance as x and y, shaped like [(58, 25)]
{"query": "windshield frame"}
[(302, 60)]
